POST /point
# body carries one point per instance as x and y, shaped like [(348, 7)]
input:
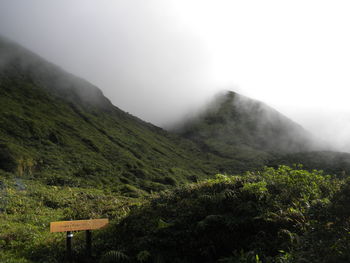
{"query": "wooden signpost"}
[(78, 225)]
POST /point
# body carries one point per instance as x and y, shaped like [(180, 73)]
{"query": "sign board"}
[(65, 226)]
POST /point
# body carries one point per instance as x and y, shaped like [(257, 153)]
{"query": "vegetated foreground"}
[(276, 215)]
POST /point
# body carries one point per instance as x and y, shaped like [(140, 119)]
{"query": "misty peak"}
[(232, 122), (16, 60)]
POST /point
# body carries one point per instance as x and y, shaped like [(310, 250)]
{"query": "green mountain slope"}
[(61, 128), (245, 130), (337, 163)]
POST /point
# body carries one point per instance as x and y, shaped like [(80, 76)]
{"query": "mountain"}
[(62, 129), (248, 131)]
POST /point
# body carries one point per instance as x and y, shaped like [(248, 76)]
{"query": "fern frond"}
[(114, 256)]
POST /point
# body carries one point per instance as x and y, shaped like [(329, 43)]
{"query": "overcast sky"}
[(160, 59)]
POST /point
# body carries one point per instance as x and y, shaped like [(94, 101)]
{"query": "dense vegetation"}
[(336, 163), (27, 206), (275, 215)]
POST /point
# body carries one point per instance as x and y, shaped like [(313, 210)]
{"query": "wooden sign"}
[(65, 226)]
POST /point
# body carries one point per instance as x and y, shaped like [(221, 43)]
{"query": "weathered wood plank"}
[(91, 224)]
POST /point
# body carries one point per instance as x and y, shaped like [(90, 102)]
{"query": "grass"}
[(28, 206)]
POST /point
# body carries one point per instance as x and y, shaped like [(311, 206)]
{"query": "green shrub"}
[(257, 217)]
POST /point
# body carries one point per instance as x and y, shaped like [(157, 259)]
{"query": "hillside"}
[(337, 163), (247, 131), (60, 128)]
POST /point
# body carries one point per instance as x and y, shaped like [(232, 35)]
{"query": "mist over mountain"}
[(62, 129), (232, 134), (159, 60), (16, 60), (233, 123)]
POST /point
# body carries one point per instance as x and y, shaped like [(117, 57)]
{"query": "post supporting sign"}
[(69, 238), (78, 225)]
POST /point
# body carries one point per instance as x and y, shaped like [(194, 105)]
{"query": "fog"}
[(161, 59), (131, 50)]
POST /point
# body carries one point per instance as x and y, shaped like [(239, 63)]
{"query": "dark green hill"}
[(337, 163), (62, 129), (246, 131)]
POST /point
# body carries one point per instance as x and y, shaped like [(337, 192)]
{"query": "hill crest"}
[(232, 122), (60, 128)]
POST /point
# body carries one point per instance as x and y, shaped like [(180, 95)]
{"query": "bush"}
[(258, 217)]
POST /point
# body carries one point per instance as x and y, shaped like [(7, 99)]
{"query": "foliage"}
[(274, 215), (114, 256), (28, 206), (266, 216), (337, 163)]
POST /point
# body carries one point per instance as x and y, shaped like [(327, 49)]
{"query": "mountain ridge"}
[(64, 129), (259, 125)]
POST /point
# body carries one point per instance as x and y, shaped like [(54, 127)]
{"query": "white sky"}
[(293, 55), (281, 49), (159, 58)]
